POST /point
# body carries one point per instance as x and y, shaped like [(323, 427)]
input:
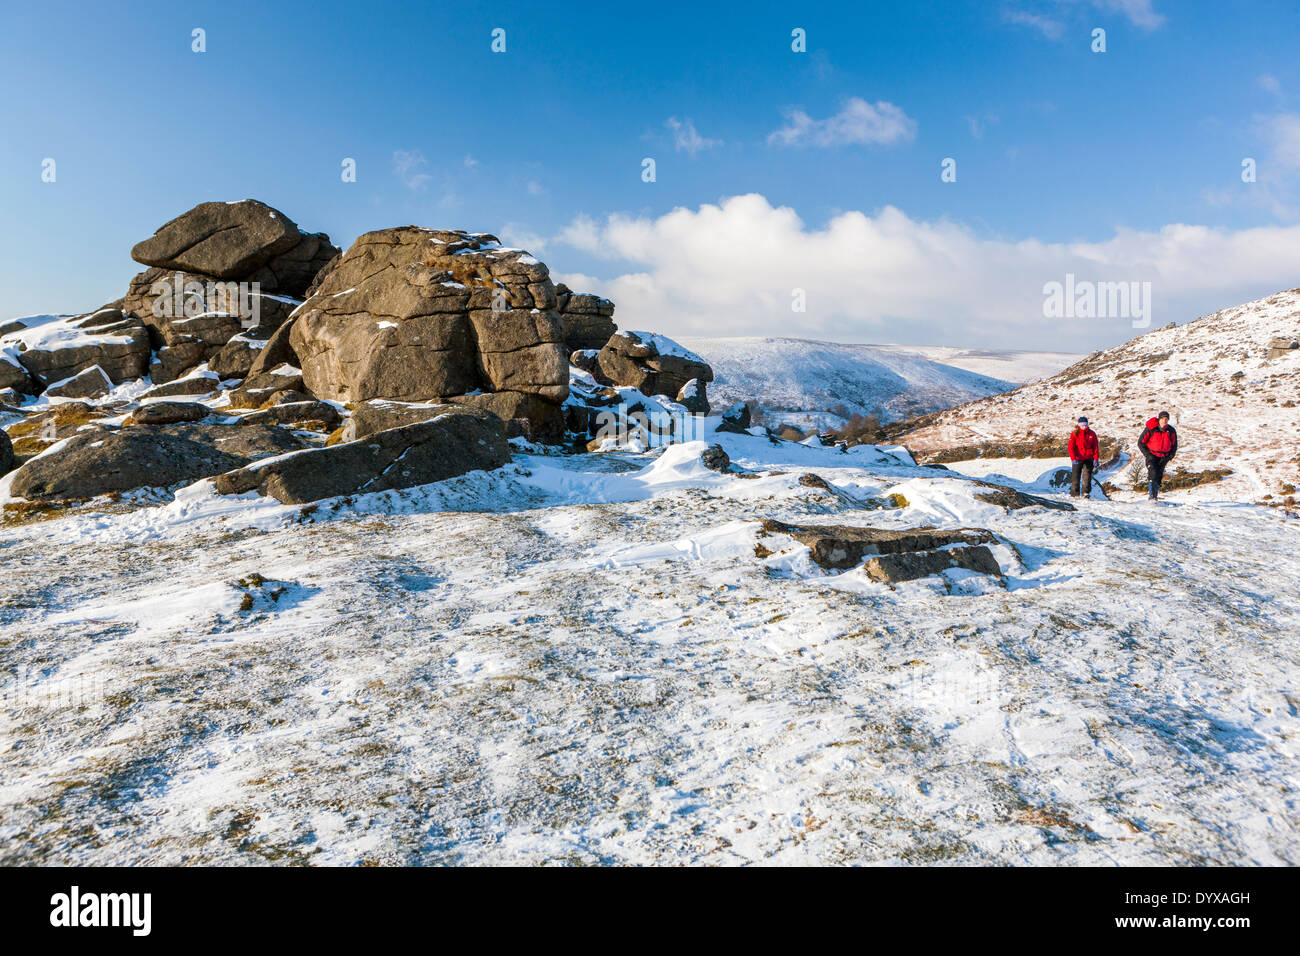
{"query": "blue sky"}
[(775, 170)]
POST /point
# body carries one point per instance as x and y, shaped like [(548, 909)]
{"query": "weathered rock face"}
[(194, 318), (6, 454), (445, 447), (257, 389), (587, 320), (309, 414), (371, 417), (246, 241), (60, 350), (407, 314), (695, 397), (1014, 500), (736, 419), (276, 352), (14, 376), (192, 385), (1281, 346), (168, 413), (101, 460), (715, 458), (895, 555), (92, 383), (651, 363)]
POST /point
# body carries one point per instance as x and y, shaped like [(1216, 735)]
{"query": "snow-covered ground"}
[(585, 659), (821, 383)]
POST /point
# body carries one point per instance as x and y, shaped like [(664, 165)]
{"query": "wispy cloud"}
[(858, 123), (470, 161), (408, 164), (1049, 27), (1049, 17), (979, 123), (686, 139)]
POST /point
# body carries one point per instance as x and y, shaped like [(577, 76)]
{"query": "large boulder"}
[(276, 352), (6, 453), (652, 364), (102, 460), (588, 320), (92, 383), (451, 444), (893, 555), (62, 348), (13, 375), (246, 241), (420, 315), (168, 413)]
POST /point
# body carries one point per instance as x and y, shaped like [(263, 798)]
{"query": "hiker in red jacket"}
[(1159, 444), (1083, 458)]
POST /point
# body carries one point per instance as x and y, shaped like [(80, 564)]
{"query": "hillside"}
[(1233, 405), (821, 383)]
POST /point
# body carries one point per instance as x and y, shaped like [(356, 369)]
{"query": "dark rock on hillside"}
[(694, 395), (192, 385), (168, 413), (101, 460), (92, 383), (1014, 500), (450, 445), (303, 413), (276, 352), (13, 376), (894, 555), (910, 565), (635, 360), (6, 454), (257, 389), (715, 458), (408, 314), (379, 415), (736, 419)]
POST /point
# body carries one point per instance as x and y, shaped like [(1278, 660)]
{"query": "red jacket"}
[(1162, 444), (1083, 445)]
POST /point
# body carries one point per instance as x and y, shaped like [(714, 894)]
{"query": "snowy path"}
[(617, 677)]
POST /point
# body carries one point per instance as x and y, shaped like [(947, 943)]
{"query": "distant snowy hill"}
[(820, 383), (1233, 400)]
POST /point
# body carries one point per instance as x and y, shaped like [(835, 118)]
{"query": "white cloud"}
[(979, 123), (1139, 12), (535, 188), (686, 139), (730, 269), (1282, 132), (1047, 16), (859, 122), (408, 165), (1047, 26), (470, 161), (519, 236)]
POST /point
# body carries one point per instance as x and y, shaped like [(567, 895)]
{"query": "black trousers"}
[(1155, 474), (1081, 476)]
